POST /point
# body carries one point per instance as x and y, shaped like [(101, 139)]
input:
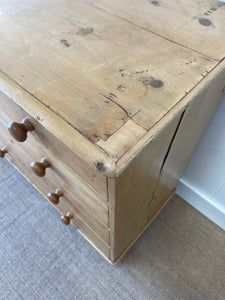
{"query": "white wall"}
[(203, 182)]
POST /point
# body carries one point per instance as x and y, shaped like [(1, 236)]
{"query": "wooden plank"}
[(123, 140), (107, 72), (43, 137), (202, 105), (91, 236), (144, 228), (195, 24), (130, 194)]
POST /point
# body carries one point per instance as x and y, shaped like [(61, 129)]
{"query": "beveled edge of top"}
[(93, 155)]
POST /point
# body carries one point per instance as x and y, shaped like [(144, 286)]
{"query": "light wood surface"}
[(119, 94), (130, 194), (103, 71), (200, 109), (195, 24), (142, 189)]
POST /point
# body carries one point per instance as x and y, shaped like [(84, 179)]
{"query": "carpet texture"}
[(180, 256)]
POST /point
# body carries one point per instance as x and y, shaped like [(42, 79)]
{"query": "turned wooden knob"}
[(66, 218), (3, 151), (39, 167), (54, 197), (19, 130)]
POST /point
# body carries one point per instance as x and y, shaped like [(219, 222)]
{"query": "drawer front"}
[(10, 111), (89, 207)]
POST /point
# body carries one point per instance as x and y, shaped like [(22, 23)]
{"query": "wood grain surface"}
[(107, 71), (195, 24)]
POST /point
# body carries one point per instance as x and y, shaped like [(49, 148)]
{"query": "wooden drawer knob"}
[(39, 167), (54, 197), (19, 130), (66, 218), (3, 151)]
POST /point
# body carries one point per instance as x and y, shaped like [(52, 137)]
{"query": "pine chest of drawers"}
[(102, 104)]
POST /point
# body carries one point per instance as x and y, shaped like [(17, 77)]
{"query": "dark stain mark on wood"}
[(97, 138), (113, 95), (133, 74), (85, 31), (64, 42), (121, 88), (212, 9), (151, 81), (156, 83), (100, 166), (155, 3), (139, 72), (204, 22), (39, 119), (121, 71)]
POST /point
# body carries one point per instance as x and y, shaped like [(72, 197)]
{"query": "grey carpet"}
[(180, 256)]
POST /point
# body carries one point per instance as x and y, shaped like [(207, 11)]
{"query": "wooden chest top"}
[(100, 75)]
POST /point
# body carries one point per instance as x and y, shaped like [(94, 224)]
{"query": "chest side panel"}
[(130, 194), (198, 114)]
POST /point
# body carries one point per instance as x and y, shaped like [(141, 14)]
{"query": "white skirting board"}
[(201, 202)]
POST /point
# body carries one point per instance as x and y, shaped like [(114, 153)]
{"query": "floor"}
[(180, 256)]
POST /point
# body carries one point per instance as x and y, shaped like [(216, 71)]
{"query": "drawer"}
[(10, 111), (85, 200)]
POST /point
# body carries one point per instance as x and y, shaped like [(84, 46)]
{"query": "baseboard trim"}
[(201, 202)]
